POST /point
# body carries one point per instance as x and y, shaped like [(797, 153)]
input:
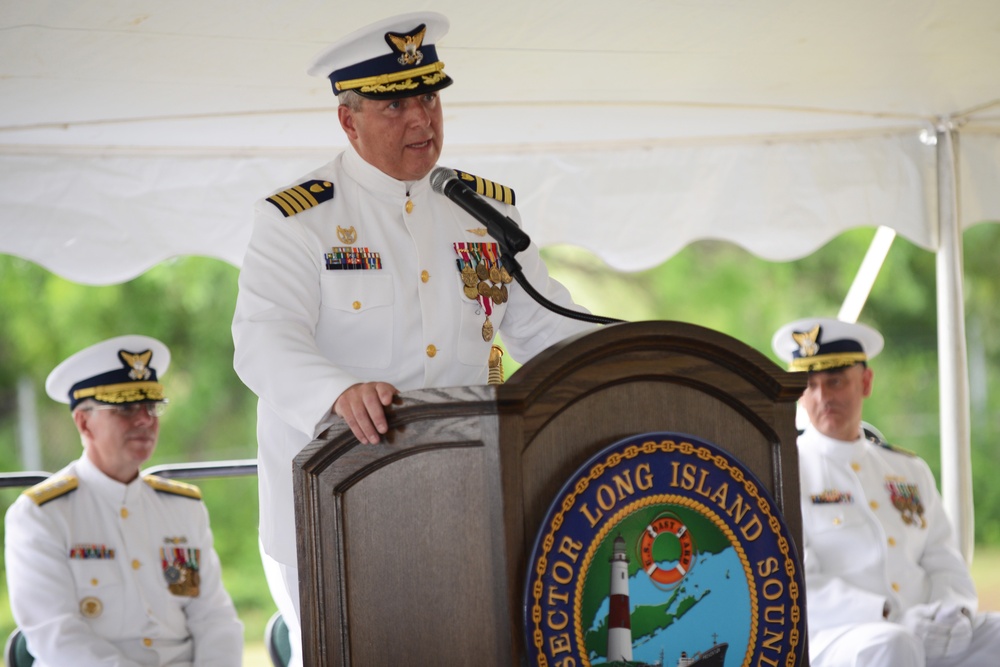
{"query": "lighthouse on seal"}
[(619, 619)]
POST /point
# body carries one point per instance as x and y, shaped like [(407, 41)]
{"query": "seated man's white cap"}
[(821, 343), (116, 371), (393, 58)]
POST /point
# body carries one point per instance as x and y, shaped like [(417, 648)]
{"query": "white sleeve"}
[(211, 617), (528, 327)]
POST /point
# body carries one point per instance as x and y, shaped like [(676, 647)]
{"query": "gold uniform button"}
[(147, 641), (895, 586), (836, 521), (892, 541), (873, 505), (424, 276), (855, 466), (136, 565), (124, 513), (409, 206), (356, 305), (93, 582), (431, 350)]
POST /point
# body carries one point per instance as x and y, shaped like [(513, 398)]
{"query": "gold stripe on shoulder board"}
[(302, 197), (52, 488), (172, 486), (488, 188)]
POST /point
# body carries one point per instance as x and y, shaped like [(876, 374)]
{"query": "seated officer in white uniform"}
[(885, 583), (360, 281), (105, 566)]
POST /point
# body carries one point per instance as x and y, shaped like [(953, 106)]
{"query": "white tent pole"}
[(865, 278), (956, 458)]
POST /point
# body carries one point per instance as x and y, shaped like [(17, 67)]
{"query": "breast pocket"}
[(833, 528), (99, 594), (356, 319)]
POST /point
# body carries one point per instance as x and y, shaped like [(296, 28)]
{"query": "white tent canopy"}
[(132, 131)]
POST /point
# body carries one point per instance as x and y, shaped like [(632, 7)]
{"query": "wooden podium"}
[(413, 551)]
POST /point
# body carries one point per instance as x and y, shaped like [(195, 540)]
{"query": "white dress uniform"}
[(105, 573), (875, 532), (305, 333)]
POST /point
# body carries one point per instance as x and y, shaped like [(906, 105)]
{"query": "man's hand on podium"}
[(362, 406)]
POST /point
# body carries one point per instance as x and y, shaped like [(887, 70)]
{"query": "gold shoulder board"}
[(898, 450), (52, 488), (487, 188), (302, 197), (173, 486)]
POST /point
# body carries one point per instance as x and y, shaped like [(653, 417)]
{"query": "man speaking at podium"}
[(360, 280), (885, 583)]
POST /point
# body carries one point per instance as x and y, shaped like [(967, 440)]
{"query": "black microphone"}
[(510, 237)]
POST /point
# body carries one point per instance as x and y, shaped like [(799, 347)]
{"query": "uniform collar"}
[(104, 486), (831, 447), (379, 183)]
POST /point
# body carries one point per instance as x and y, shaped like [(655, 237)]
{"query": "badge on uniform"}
[(180, 570), (89, 551), (484, 278), (832, 497), (906, 498), (352, 259), (91, 607)]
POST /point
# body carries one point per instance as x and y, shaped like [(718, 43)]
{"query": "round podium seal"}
[(661, 550)]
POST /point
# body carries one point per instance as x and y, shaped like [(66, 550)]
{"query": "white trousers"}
[(283, 581), (884, 644)]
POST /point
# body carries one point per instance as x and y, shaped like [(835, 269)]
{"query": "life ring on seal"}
[(663, 577)]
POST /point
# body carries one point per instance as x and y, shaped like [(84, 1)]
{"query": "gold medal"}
[(503, 294), (496, 295), (482, 271), (471, 292), (484, 289), (505, 277), (495, 274), (487, 330), (469, 276)]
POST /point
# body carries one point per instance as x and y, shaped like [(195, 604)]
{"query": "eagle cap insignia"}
[(806, 340), (347, 236), (137, 363), (407, 45)]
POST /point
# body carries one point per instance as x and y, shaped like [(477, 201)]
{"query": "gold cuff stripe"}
[(383, 79), (827, 361), (123, 392)]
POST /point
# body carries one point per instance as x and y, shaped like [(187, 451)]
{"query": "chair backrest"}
[(279, 647), (16, 651)]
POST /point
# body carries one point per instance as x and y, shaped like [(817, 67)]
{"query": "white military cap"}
[(124, 369), (821, 343), (393, 58)]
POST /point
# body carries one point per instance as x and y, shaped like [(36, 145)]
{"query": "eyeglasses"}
[(132, 410)]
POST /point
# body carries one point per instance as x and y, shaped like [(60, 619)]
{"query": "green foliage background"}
[(188, 303)]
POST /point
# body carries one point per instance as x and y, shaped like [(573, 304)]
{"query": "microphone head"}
[(440, 177)]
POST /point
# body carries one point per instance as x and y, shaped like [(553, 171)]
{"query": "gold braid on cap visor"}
[(827, 361), (386, 83), (125, 392)]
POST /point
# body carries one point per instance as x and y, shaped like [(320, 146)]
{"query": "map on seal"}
[(663, 550)]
